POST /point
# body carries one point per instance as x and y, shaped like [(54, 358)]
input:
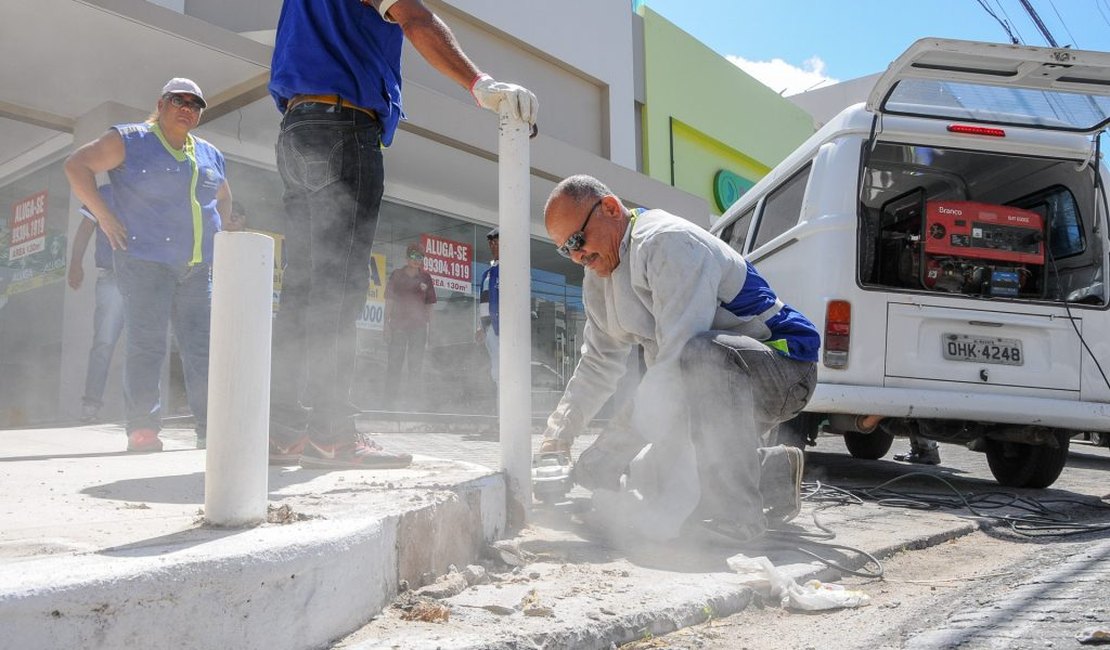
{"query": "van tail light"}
[(971, 129), (838, 333)]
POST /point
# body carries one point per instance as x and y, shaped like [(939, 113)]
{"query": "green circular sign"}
[(728, 187)]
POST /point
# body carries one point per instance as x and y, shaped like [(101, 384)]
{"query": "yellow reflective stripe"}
[(194, 203), (188, 153), (779, 345)]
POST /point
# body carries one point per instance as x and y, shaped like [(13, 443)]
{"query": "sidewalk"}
[(104, 549)]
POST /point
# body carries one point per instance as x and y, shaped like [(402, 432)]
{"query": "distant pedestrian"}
[(108, 314), (336, 77), (489, 304), (409, 296), (169, 190)]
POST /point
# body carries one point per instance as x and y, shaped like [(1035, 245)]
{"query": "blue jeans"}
[(107, 326), (154, 295), (330, 160)]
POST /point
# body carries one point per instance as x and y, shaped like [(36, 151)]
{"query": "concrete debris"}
[(1094, 636), (449, 585), (415, 608), (283, 514), (475, 574), (509, 552)]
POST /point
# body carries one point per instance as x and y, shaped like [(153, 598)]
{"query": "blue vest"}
[(165, 198), (792, 334), (339, 47)]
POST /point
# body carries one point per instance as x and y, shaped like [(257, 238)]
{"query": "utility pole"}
[(1040, 24)]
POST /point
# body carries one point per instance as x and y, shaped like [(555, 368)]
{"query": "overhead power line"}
[(1038, 22), (1074, 42), (1005, 25)]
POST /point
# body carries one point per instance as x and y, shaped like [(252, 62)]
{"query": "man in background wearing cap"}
[(168, 192), (409, 296), (489, 302), (336, 75)]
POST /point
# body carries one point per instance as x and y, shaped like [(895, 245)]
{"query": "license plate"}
[(982, 349)]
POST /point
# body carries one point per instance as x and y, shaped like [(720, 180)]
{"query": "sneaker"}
[(360, 453), (920, 457), (287, 454), (782, 497), (143, 440)]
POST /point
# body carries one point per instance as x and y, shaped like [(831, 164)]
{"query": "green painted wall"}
[(709, 114)]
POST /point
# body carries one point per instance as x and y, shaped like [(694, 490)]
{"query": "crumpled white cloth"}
[(772, 584)]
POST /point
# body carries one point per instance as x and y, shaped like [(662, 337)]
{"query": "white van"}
[(950, 239)]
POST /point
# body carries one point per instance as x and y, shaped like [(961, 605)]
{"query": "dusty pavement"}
[(570, 590)]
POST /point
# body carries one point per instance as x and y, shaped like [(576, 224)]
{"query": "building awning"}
[(123, 51)]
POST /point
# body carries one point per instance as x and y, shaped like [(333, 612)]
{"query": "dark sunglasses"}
[(416, 256), (578, 239), (180, 102)]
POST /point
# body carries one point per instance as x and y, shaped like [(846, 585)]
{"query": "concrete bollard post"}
[(515, 385), (237, 470)]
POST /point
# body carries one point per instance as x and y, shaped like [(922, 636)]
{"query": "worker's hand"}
[(117, 234), (75, 276), (554, 444), (489, 94), (480, 335)]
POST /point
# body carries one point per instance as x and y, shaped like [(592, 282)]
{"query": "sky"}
[(797, 45)]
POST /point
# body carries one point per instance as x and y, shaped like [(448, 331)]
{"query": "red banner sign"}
[(448, 262), (28, 226)]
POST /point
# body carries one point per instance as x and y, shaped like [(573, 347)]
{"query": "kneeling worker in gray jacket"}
[(726, 361)]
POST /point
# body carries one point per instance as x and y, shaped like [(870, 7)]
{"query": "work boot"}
[(920, 456), (780, 481)]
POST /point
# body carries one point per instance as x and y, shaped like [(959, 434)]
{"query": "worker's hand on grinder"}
[(555, 444), (489, 94)]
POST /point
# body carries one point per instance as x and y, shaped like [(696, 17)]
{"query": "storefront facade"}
[(84, 65)]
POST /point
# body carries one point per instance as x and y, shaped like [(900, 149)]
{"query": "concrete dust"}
[(915, 585)]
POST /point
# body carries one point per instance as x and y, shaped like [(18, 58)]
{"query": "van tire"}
[(1015, 464), (869, 446), (799, 431)]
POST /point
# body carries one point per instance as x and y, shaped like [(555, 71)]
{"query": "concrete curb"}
[(295, 586)]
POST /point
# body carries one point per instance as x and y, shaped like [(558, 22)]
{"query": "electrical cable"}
[(1005, 26), (1074, 42)]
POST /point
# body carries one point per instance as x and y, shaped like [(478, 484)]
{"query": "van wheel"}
[(869, 446), (799, 431), (1015, 464)]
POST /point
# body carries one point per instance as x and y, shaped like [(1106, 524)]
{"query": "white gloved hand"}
[(489, 94)]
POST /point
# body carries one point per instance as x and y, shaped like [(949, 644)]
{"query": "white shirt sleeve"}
[(384, 6)]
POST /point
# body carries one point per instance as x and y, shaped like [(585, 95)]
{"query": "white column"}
[(515, 385), (236, 481)]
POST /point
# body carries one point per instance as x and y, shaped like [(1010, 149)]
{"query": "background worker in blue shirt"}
[(489, 303), (336, 76), (108, 315), (168, 192)]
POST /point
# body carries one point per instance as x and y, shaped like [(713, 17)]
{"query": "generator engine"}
[(978, 249)]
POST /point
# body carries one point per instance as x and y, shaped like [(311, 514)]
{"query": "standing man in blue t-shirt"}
[(336, 77), (169, 189), (489, 304), (108, 315)]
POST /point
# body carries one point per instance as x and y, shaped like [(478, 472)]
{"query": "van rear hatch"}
[(1016, 85), (982, 347)]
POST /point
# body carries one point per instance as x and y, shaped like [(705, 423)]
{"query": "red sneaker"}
[(360, 453), (143, 440), (286, 454)]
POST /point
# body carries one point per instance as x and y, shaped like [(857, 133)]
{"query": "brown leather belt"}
[(334, 100)]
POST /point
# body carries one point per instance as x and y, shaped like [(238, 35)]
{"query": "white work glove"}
[(489, 94)]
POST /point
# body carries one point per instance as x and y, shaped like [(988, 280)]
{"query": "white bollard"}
[(515, 340), (237, 470)]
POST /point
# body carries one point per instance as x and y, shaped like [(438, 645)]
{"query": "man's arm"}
[(223, 200), (82, 166), (76, 273), (434, 40)]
